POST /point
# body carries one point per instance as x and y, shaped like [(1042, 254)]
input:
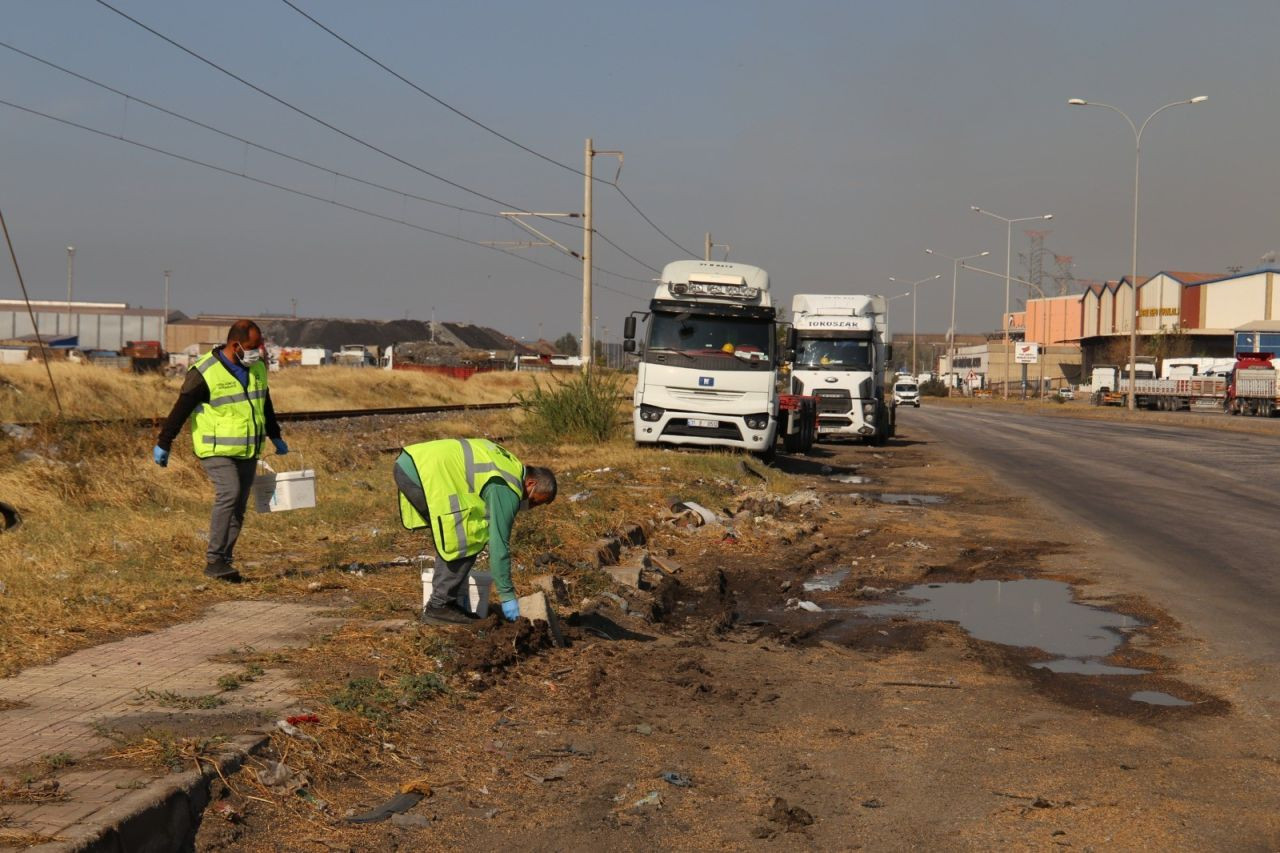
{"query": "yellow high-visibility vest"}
[(234, 421)]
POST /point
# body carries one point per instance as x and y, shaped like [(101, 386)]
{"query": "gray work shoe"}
[(448, 614), (223, 571)]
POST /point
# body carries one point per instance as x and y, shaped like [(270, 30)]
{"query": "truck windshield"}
[(833, 354), (722, 337)]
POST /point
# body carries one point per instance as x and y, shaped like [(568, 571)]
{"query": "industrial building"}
[(95, 325)]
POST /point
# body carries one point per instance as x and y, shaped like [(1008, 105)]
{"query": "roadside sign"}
[(1027, 353)]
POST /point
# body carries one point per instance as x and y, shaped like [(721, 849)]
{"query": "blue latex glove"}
[(511, 610), (160, 455), (280, 446)]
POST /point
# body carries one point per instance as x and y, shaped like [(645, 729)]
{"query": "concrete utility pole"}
[(164, 322), (706, 252), (589, 156), (71, 278), (1133, 267)]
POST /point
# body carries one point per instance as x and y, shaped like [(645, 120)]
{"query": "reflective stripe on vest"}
[(453, 472)]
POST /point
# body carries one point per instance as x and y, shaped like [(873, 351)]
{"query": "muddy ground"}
[(790, 729)]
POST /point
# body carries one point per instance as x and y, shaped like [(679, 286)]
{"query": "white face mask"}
[(249, 357)]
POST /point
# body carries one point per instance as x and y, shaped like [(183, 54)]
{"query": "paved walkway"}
[(62, 708)]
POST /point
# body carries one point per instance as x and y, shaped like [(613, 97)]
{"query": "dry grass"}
[(112, 545), (90, 391)]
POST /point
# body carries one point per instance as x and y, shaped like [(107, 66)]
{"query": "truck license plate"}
[(703, 422)]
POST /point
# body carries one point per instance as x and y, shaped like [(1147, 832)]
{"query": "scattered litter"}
[(17, 431), (600, 471), (916, 544), (580, 496), (410, 795), (798, 604), (298, 719), (680, 780), (653, 798), (280, 777), (850, 479), (729, 538), (707, 516), (292, 731)]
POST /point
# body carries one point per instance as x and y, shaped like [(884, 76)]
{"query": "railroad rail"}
[(316, 415)]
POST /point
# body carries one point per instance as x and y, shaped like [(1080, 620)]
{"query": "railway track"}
[(317, 415)]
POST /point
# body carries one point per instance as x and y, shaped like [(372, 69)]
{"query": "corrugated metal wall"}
[(96, 331)]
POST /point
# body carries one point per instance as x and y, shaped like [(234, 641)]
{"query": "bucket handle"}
[(301, 463)]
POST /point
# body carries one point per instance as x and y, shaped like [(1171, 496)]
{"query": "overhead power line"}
[(273, 185), (283, 154), (345, 134), (461, 113)]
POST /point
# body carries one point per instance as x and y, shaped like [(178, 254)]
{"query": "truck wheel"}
[(768, 454), (1096, 398), (793, 442)]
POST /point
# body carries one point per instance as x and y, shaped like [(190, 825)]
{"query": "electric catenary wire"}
[(345, 134), (487, 128), (264, 182), (285, 155)]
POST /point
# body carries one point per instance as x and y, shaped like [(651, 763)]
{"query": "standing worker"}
[(467, 491), (227, 391)]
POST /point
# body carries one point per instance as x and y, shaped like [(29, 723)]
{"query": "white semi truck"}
[(842, 354), (708, 372)]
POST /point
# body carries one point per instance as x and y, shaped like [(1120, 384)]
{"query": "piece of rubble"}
[(624, 575), (606, 552), (534, 607)]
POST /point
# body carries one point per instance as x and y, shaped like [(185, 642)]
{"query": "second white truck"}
[(842, 354)]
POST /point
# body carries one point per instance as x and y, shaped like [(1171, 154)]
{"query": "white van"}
[(906, 392)]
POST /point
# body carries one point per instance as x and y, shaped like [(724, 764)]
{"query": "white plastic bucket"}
[(473, 595), (286, 490)]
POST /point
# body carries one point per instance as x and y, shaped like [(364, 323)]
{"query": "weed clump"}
[(584, 408)]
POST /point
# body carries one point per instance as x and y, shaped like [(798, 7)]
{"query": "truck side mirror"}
[(629, 344), (791, 341), (888, 353), (629, 330)]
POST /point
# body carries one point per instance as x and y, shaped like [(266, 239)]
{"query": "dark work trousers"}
[(232, 482), (449, 576)]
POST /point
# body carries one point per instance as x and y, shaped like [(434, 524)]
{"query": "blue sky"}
[(830, 143)]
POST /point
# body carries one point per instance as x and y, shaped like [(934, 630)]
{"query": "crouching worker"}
[(467, 491)]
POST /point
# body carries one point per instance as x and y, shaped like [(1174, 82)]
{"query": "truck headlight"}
[(868, 407), (650, 413), (760, 421)]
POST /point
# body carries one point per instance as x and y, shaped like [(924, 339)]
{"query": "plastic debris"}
[(410, 795), (292, 731), (653, 798), (580, 496), (280, 777), (707, 516), (799, 604), (680, 780)]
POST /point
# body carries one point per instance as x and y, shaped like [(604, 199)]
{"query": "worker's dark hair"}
[(241, 330), (544, 480)]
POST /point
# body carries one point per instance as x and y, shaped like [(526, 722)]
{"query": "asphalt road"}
[(1195, 513)]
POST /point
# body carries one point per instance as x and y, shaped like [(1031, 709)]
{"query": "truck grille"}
[(726, 429), (837, 401)]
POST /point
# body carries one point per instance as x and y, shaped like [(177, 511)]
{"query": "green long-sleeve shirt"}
[(501, 505)]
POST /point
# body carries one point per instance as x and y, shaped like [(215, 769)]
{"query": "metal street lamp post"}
[(955, 273), (1133, 280), (914, 284), (71, 277), (1008, 257)]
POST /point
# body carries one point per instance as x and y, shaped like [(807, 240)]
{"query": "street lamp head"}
[(1048, 216), (983, 254), (71, 250), (1077, 102), (1198, 99), (928, 251), (975, 208), (939, 275)]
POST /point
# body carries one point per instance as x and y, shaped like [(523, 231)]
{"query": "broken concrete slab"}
[(632, 535), (624, 575), (537, 606), (666, 565), (606, 552)]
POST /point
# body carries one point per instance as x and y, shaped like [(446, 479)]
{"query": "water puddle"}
[(1088, 667), (903, 499), (1155, 697), (850, 479), (1030, 613), (826, 581)]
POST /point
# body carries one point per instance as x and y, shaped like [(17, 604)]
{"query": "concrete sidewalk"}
[(59, 714)]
